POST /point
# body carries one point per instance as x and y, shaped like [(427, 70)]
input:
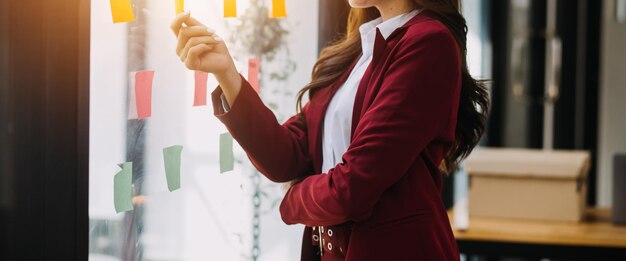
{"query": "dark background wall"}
[(44, 85)]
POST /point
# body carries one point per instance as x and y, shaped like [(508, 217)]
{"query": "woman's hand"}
[(201, 50), (287, 185)]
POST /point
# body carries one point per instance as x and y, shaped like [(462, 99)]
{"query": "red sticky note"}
[(199, 97), (143, 93), (254, 65)]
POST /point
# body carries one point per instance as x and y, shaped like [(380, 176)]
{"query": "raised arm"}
[(280, 152), (202, 50)]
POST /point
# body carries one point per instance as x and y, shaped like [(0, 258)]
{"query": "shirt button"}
[(330, 233)]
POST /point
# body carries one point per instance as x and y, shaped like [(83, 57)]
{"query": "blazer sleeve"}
[(413, 106), (279, 152)]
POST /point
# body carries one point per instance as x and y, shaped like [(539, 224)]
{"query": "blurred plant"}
[(259, 35)]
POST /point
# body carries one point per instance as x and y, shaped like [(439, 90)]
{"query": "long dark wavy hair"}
[(474, 100)]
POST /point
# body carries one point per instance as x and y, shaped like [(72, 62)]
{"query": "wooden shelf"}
[(595, 231)]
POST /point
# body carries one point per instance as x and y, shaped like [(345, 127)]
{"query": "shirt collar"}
[(368, 30), (386, 27)]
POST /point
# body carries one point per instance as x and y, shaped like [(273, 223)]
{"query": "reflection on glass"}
[(213, 216)]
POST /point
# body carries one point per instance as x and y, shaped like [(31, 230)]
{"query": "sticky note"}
[(122, 186), (140, 94), (143, 92), (227, 158), (278, 9), (122, 11), (171, 158), (254, 64), (199, 96), (180, 6), (230, 8)]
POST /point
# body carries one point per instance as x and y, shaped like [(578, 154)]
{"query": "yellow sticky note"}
[(278, 9), (122, 11), (180, 6), (230, 8)]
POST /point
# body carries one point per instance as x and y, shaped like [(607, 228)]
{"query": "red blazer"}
[(384, 201)]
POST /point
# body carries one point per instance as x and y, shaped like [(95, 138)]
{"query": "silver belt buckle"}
[(321, 242)]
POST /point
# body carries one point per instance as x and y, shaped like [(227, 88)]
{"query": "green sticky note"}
[(227, 158), (171, 157), (122, 185)]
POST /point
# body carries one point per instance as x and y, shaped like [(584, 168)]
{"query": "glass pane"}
[(212, 216)]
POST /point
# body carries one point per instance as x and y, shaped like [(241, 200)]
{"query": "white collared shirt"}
[(338, 118)]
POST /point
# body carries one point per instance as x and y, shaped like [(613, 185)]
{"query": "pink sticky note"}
[(253, 72), (143, 93), (199, 97)]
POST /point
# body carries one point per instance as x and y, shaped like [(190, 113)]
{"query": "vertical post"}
[(620, 11), (552, 71)]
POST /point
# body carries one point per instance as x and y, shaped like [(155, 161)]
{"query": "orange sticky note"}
[(278, 9), (230, 8), (122, 11), (180, 6), (199, 97), (140, 95), (254, 64)]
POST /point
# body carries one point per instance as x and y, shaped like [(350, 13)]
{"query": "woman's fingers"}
[(193, 41), (178, 22), (193, 60), (198, 46), (191, 31), (190, 21)]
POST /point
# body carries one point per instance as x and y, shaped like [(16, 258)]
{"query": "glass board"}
[(213, 215)]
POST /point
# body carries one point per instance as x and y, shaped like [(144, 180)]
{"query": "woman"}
[(389, 105)]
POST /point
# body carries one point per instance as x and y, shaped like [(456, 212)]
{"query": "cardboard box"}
[(528, 184)]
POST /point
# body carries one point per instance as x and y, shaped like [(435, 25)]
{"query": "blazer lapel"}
[(379, 46), (370, 83)]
